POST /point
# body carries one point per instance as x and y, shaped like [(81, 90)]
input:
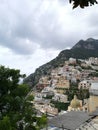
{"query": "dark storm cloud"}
[(27, 25)]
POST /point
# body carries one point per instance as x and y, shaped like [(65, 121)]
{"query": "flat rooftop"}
[(70, 121)]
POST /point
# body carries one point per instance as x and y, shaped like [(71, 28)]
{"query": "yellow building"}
[(91, 104), (75, 105), (62, 84)]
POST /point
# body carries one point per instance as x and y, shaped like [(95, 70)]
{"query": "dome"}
[(75, 103)]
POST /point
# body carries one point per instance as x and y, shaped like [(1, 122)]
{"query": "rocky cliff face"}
[(81, 50), (89, 44)]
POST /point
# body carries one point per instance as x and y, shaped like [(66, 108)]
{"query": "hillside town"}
[(69, 89), (48, 65)]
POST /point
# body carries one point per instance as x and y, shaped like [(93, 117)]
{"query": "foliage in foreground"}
[(83, 3), (16, 109)]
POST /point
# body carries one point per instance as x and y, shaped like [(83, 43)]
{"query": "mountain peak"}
[(89, 44), (90, 40)]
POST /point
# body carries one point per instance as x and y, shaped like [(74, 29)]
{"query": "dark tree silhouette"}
[(83, 3)]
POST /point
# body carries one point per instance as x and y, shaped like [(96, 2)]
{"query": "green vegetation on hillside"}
[(81, 93), (60, 105)]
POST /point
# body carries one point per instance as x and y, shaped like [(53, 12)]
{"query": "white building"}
[(72, 60), (60, 97), (85, 84)]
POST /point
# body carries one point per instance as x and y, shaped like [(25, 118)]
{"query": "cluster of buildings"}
[(73, 71), (53, 87)]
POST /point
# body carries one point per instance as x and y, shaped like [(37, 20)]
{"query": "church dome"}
[(75, 103)]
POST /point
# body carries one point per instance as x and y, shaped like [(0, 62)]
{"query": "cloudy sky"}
[(32, 32)]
